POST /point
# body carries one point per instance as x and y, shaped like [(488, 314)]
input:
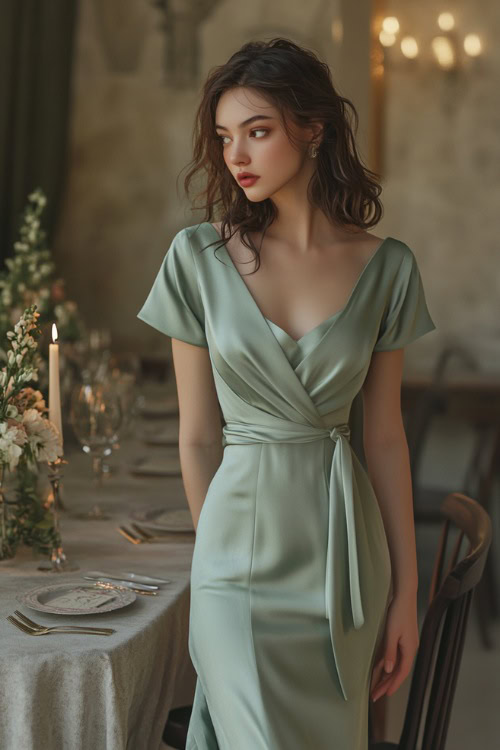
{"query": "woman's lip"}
[(246, 178)]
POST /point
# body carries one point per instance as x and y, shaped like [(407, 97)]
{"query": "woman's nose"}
[(238, 155)]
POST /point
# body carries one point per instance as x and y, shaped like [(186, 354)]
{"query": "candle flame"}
[(54, 333)]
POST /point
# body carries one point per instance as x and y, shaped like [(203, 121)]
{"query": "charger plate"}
[(40, 599), (168, 434), (153, 409), (159, 519)]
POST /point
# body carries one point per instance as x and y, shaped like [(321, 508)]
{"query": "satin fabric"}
[(291, 572)]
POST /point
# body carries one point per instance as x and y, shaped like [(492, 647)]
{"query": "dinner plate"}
[(159, 519), (85, 599), (158, 409), (167, 435), (161, 466)]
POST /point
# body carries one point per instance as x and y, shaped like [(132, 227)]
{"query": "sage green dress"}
[(291, 573)]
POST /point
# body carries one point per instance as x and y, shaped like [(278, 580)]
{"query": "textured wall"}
[(131, 137), (442, 186)]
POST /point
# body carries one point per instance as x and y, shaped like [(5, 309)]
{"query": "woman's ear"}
[(317, 132)]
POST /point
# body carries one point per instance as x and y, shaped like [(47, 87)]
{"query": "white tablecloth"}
[(70, 692)]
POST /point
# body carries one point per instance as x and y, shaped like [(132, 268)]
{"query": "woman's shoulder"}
[(398, 255)]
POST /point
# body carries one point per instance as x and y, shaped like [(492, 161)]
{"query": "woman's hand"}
[(398, 646)]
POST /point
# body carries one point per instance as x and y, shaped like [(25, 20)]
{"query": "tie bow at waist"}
[(342, 547), (340, 430)]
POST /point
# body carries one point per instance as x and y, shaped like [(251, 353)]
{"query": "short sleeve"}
[(406, 317), (174, 305)]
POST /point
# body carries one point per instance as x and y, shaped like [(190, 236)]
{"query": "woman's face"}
[(261, 146)]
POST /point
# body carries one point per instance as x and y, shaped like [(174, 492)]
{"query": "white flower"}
[(11, 411), (12, 438), (43, 436)]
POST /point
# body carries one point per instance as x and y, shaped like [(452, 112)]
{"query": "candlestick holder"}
[(59, 563)]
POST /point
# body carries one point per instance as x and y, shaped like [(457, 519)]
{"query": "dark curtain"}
[(36, 53)]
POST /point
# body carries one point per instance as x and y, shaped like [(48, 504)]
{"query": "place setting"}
[(164, 464), (153, 408), (157, 524), (102, 592), (168, 434)]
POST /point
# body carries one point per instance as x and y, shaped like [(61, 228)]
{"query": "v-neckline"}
[(334, 315)]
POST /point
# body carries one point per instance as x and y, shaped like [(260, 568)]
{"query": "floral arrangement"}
[(30, 279), (27, 436)]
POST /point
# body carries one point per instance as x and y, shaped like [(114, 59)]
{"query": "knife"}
[(132, 577), (126, 584), (102, 586)]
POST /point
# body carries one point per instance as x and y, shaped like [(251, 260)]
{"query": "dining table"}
[(82, 692)]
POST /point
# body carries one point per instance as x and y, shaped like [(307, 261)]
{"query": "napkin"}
[(82, 599)]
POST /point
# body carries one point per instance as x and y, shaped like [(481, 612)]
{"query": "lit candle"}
[(54, 391)]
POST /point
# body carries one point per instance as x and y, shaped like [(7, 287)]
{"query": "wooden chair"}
[(176, 728), (478, 479), (437, 663), (449, 601)]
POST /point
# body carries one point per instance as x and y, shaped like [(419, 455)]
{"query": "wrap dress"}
[(291, 573)]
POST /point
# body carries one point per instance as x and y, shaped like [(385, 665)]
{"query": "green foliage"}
[(30, 278)]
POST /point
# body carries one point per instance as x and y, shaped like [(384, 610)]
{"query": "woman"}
[(304, 575)]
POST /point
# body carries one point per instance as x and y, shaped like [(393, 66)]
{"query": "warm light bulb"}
[(443, 51), (54, 333), (409, 47), (390, 25), (472, 45), (446, 21), (337, 30), (387, 40)]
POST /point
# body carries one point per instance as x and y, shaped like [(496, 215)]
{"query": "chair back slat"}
[(456, 665), (440, 694), (442, 637)]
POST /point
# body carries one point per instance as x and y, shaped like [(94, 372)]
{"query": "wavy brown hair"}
[(300, 86)]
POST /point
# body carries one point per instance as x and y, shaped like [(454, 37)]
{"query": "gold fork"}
[(146, 535), (36, 625), (47, 631), (129, 535), (144, 538)]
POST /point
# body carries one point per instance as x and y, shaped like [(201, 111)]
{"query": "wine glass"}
[(96, 417), (97, 354)]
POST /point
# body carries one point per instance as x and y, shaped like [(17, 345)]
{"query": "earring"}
[(313, 151)]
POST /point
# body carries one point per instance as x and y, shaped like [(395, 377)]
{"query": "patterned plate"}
[(159, 519), (41, 597)]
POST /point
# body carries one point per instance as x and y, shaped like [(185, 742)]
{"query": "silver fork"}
[(37, 626), (46, 631)]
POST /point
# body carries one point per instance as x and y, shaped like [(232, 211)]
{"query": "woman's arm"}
[(388, 463), (200, 428)]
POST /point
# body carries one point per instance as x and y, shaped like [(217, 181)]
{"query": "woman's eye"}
[(257, 130)]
